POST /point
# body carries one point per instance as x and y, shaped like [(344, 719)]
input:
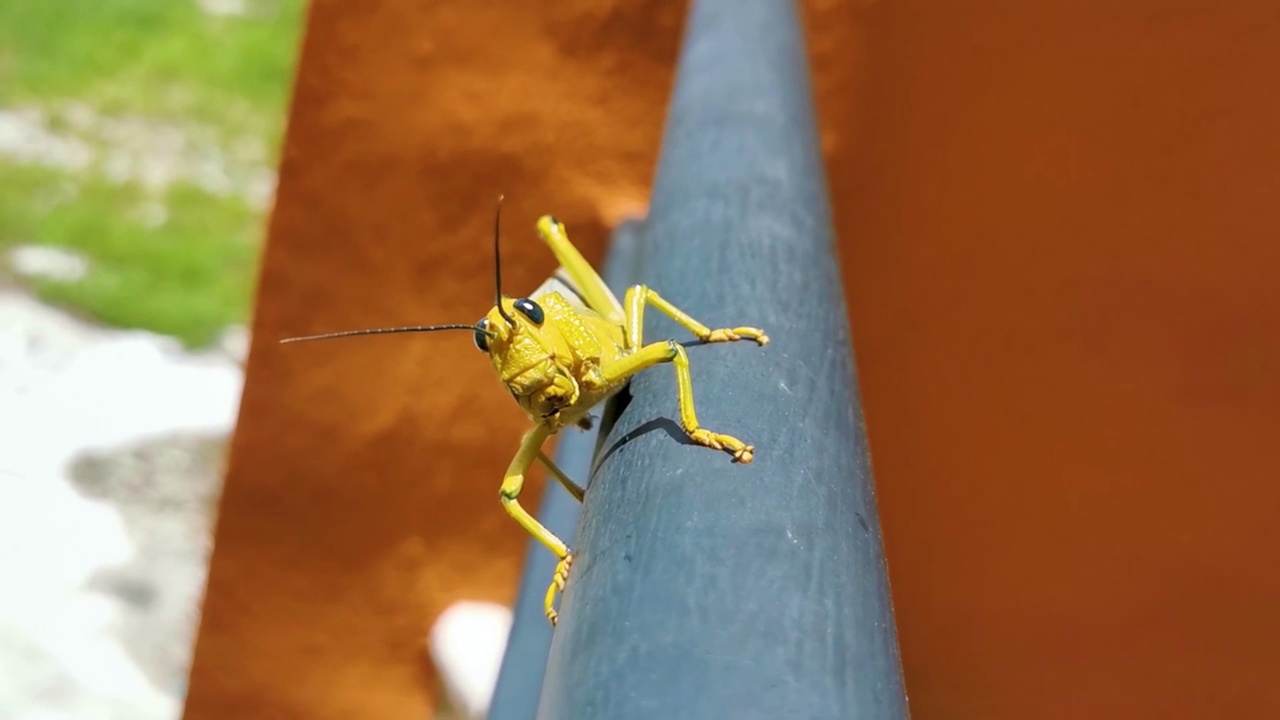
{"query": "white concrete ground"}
[(111, 450), (82, 564)]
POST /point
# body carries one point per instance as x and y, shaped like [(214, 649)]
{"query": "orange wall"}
[(1059, 230), (1061, 225)]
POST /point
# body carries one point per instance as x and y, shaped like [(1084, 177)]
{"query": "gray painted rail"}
[(703, 588)]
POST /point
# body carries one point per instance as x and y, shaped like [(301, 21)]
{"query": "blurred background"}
[(139, 142), (1058, 228)]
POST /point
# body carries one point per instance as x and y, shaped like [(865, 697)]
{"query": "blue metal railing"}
[(702, 588)]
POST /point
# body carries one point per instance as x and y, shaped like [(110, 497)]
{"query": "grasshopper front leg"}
[(513, 483)]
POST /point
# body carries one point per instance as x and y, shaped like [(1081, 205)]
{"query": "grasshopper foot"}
[(734, 334), (741, 451), (557, 585)]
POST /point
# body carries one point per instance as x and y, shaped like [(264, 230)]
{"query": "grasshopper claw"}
[(741, 451), (558, 581), (734, 334)]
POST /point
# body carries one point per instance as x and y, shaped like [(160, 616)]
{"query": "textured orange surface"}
[(1059, 229), (1062, 243), (362, 492)]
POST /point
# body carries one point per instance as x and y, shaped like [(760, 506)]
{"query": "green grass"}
[(188, 277), (161, 60)]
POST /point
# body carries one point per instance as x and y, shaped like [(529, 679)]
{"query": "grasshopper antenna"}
[(388, 331), (497, 297), (497, 265)]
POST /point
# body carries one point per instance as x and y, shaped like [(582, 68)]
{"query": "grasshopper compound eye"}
[(531, 310), (482, 335)]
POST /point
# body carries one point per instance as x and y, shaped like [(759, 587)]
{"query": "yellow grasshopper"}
[(563, 350)]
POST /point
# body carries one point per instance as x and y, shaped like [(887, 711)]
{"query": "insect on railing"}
[(702, 588)]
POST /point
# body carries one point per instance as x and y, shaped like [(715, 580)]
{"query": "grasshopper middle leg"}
[(638, 296)]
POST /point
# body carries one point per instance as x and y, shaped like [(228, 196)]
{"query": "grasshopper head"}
[(530, 357), (530, 354)]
